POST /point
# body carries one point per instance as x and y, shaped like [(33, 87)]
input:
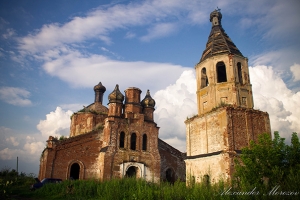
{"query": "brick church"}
[(121, 140), (114, 142)]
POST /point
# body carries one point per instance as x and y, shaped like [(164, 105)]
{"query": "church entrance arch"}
[(131, 171), (75, 171)]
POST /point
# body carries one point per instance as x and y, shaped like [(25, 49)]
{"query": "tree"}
[(268, 163)]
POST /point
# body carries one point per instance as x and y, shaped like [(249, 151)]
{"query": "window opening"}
[(221, 72), (133, 141), (144, 142), (204, 79), (122, 139), (240, 73)]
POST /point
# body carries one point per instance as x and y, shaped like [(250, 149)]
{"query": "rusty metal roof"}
[(218, 41)]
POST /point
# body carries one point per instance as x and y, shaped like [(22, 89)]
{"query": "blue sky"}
[(52, 53)]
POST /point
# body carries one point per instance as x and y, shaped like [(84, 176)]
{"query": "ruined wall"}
[(83, 149), (224, 130), (218, 166), (84, 122), (172, 159)]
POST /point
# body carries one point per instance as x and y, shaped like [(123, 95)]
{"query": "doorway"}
[(75, 171)]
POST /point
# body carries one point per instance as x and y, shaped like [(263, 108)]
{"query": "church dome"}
[(148, 101), (116, 96), (100, 87)]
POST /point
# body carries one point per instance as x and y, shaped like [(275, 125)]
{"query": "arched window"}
[(133, 141), (221, 72), (144, 142), (239, 68), (204, 79), (122, 139)]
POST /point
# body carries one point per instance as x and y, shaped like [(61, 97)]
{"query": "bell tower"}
[(226, 121), (222, 73)]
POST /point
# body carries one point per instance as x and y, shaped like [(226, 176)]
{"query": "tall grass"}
[(129, 188)]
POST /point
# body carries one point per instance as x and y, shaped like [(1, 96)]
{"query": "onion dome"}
[(148, 101), (116, 96), (100, 87)]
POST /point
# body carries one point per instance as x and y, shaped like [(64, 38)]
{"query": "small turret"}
[(99, 91), (115, 99), (148, 104)]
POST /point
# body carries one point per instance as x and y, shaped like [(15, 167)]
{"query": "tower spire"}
[(218, 41)]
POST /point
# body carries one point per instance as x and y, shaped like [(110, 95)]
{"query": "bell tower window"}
[(204, 79), (239, 68), (221, 72)]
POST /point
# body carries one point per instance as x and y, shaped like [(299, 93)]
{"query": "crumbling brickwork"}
[(114, 142), (226, 121)]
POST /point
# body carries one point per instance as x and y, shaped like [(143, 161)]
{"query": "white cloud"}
[(69, 68), (159, 31), (26, 146), (34, 148), (57, 123), (281, 58), (272, 95), (13, 141), (103, 20), (173, 105), (9, 33), (29, 146), (295, 69), (15, 96)]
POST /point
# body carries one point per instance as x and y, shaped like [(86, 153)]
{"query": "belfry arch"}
[(221, 72)]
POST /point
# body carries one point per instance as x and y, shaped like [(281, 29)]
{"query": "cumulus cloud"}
[(13, 141), (57, 123), (272, 95), (15, 96), (29, 146), (295, 69), (174, 104), (26, 146)]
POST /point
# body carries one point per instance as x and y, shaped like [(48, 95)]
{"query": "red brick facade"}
[(105, 143)]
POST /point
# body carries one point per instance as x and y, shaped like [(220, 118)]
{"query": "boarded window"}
[(122, 139), (144, 142), (133, 141), (239, 68), (221, 72)]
